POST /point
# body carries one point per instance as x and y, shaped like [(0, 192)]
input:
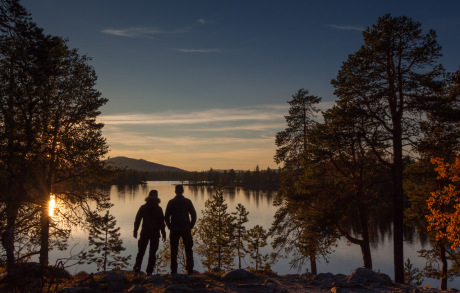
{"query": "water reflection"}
[(344, 259), (130, 191), (233, 195)]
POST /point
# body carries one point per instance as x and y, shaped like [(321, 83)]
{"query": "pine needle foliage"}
[(215, 233), (104, 238), (257, 239), (241, 217)]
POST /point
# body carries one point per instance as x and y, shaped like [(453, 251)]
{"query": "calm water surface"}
[(344, 260)]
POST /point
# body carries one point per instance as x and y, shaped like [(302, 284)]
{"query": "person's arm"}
[(168, 215), (162, 225), (191, 210), (137, 222)]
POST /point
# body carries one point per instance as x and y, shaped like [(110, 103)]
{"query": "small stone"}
[(271, 283), (157, 278)]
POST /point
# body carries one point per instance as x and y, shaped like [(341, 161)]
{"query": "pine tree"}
[(292, 142), (292, 220), (104, 238), (215, 233), (412, 275), (257, 238), (241, 216), (393, 81)]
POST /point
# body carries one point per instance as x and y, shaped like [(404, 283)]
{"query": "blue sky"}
[(200, 84)]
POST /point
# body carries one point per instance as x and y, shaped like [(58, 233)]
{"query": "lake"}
[(345, 259)]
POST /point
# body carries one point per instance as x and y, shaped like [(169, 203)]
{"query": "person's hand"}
[(135, 234)]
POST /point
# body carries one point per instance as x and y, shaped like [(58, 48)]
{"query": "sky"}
[(199, 84)]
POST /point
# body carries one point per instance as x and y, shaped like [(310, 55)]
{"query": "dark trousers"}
[(142, 245), (187, 239)]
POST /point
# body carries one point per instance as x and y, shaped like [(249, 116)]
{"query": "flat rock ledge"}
[(239, 281)]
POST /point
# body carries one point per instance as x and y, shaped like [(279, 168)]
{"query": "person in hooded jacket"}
[(152, 217)]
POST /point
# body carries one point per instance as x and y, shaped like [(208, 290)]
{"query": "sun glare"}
[(52, 205)]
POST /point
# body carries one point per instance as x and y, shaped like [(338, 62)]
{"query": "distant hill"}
[(141, 165)]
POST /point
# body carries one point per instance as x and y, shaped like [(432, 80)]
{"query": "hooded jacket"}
[(152, 218)]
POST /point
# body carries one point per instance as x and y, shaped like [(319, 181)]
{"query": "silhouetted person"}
[(180, 217), (153, 222)]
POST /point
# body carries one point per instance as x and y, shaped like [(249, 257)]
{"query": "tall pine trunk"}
[(106, 244), (44, 234), (44, 209), (398, 204), (313, 268), (442, 254), (365, 243), (8, 237), (239, 248)]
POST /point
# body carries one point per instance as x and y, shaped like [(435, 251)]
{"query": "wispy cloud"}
[(261, 113), (203, 21), (346, 27), (248, 127), (138, 32), (137, 139), (197, 117), (198, 50)]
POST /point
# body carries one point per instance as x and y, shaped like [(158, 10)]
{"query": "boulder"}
[(114, 277), (239, 274), (323, 276), (367, 277)]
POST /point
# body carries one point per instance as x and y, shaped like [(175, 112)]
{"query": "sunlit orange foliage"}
[(444, 204)]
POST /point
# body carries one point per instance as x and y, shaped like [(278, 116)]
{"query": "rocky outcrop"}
[(239, 281)]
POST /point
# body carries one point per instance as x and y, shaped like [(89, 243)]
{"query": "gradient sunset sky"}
[(197, 84)]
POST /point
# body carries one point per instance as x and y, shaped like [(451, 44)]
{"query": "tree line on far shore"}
[(267, 179)]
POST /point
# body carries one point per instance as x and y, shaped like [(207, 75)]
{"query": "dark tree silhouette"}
[(339, 144), (392, 79), (241, 217), (215, 232), (297, 226), (106, 244), (49, 139)]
